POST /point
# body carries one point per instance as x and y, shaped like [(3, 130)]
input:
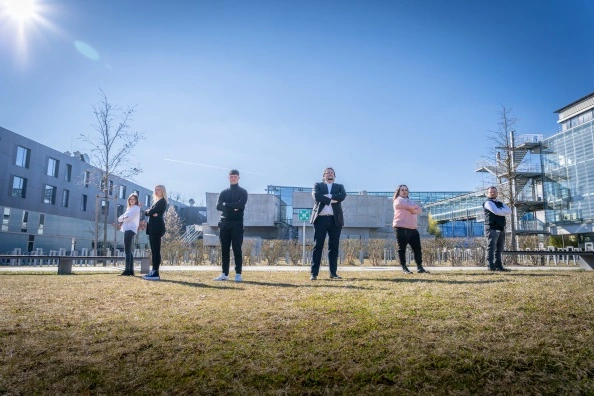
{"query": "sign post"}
[(303, 216)]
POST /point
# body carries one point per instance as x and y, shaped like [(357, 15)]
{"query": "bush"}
[(272, 250), (351, 249)]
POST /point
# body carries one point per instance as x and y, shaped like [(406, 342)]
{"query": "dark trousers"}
[(155, 241), (128, 239), (325, 225), (408, 236), (495, 245), (231, 235)]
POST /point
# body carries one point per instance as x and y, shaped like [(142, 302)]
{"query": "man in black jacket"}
[(495, 212), (327, 218), (232, 204)]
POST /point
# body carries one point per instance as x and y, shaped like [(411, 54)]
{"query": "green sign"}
[(303, 214)]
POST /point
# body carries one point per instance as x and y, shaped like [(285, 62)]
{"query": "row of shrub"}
[(375, 252)]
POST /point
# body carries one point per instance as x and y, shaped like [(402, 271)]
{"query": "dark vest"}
[(492, 221)]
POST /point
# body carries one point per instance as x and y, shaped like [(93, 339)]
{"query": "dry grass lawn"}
[(279, 333)]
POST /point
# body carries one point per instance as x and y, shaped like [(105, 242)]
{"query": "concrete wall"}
[(261, 210), (365, 217), (360, 211)]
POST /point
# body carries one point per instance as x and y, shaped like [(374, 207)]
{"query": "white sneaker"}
[(221, 277), (238, 278)]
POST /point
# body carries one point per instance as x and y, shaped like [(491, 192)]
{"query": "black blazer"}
[(156, 225), (338, 194)]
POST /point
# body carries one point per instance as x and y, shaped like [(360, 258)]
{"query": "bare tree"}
[(111, 143), (505, 169)]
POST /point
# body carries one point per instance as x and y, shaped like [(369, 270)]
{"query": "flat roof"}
[(574, 103)]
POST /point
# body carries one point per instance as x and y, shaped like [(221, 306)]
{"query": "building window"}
[(104, 207), (87, 178), (41, 224), (137, 193), (31, 243), (25, 221), (83, 203), (49, 194), (120, 210), (147, 200), (5, 219), (19, 187), (111, 187), (52, 167), (122, 192), (68, 174), (65, 197), (23, 156)]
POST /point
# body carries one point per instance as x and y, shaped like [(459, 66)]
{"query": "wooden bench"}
[(65, 263), (586, 259)]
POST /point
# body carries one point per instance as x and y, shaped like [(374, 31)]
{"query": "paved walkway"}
[(263, 268)]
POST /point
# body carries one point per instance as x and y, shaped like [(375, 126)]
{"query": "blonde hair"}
[(163, 191), (130, 196)]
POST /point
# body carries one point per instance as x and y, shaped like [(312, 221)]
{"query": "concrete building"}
[(49, 200), (275, 215)]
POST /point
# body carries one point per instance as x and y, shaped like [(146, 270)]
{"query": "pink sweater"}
[(405, 213)]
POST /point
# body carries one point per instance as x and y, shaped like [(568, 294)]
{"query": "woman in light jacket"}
[(130, 220), (405, 227), (156, 229)]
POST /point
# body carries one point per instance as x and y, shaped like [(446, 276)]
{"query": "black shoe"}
[(406, 271), (126, 273), (152, 276), (335, 277), (491, 269), (313, 277), (501, 269), (422, 271)]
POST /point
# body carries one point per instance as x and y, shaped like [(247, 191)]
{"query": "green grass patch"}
[(279, 333)]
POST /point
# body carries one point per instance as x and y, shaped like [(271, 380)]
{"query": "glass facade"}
[(285, 193), (569, 175)]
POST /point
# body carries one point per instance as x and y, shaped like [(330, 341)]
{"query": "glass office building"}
[(556, 197), (569, 171), (285, 193)]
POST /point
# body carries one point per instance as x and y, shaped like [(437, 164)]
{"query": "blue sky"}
[(386, 92)]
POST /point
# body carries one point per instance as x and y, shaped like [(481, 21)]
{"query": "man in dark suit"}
[(327, 218)]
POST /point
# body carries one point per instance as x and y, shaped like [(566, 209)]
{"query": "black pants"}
[(408, 236), (231, 235), (155, 241), (325, 225), (128, 239)]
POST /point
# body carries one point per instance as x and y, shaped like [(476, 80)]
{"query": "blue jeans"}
[(495, 245)]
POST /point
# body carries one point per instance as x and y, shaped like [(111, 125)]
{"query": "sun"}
[(20, 11)]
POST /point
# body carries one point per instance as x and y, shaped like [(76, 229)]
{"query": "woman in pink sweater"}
[(405, 227)]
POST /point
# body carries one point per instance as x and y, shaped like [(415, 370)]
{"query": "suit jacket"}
[(338, 194), (156, 225)]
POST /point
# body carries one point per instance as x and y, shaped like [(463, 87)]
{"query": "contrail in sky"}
[(214, 166)]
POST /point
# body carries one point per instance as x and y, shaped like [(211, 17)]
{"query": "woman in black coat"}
[(156, 228)]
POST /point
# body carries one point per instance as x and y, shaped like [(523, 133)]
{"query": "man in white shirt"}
[(327, 219), (495, 212)]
